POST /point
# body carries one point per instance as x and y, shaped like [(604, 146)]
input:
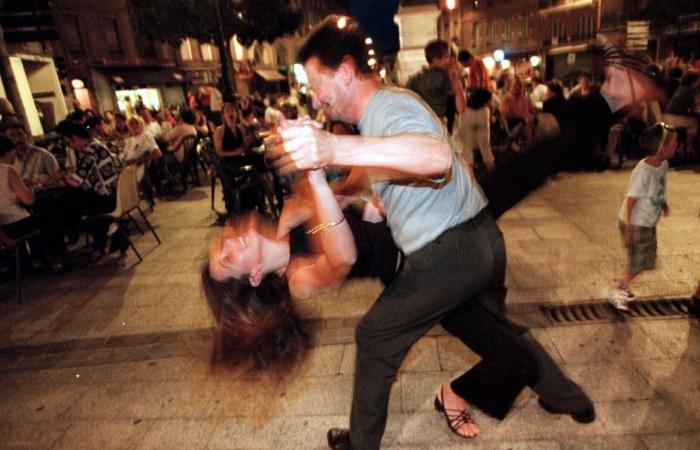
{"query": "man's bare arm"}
[(415, 154)]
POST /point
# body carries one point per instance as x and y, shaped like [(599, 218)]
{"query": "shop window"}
[(111, 35), (557, 33), (476, 31), (584, 27), (508, 30), (207, 51), (186, 50), (490, 33), (525, 27)]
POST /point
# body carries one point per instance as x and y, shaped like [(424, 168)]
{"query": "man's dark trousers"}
[(457, 268)]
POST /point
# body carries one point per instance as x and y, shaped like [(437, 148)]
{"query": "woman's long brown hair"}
[(257, 324)]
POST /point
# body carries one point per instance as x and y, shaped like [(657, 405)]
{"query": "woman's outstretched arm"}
[(338, 253)]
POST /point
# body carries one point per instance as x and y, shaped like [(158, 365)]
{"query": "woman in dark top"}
[(252, 268), (230, 143)]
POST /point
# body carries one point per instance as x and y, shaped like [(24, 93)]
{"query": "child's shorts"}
[(641, 255)]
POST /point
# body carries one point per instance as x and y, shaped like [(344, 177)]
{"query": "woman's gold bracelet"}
[(323, 226)]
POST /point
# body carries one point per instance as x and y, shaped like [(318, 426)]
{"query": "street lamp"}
[(499, 55), (535, 60)]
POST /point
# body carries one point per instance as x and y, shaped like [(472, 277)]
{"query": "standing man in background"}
[(440, 80)]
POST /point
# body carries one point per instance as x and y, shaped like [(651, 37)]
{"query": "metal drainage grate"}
[(594, 312)]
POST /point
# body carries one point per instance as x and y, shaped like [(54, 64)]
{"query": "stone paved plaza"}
[(116, 355)]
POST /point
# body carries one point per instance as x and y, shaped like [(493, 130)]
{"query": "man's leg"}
[(508, 364), (437, 278)]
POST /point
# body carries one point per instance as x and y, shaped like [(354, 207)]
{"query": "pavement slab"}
[(116, 354)]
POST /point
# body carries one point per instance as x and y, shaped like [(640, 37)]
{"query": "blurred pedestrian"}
[(474, 123)]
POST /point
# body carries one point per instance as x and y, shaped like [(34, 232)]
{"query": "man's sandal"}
[(455, 417)]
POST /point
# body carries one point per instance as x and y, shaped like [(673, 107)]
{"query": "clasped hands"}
[(302, 144)]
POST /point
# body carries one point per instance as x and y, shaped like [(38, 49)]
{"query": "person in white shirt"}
[(150, 125), (182, 130), (36, 165), (539, 93), (140, 148)]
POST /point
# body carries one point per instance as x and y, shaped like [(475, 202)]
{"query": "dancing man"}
[(454, 267)]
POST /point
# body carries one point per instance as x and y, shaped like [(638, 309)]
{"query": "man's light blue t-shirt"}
[(418, 212)]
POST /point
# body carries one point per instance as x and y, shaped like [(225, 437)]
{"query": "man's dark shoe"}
[(339, 439), (586, 415)]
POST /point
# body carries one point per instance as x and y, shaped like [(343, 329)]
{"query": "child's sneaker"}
[(619, 299), (624, 287)]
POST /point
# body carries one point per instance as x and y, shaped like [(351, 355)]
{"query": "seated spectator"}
[(518, 111), (109, 121), (121, 131), (140, 149), (539, 92), (182, 130), (165, 125), (169, 117), (230, 143), (97, 129), (15, 220), (94, 184), (35, 165), (151, 126), (555, 103), (200, 123)]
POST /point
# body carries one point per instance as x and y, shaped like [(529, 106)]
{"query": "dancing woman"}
[(252, 267)]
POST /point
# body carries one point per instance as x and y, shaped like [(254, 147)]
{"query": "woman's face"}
[(230, 112), (236, 254)]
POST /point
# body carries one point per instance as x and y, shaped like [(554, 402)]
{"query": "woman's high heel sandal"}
[(455, 417)]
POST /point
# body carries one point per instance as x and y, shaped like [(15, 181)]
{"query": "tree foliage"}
[(172, 21)]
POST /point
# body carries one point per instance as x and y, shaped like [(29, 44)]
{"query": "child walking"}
[(641, 208)]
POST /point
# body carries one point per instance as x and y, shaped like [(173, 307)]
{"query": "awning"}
[(270, 75), (575, 48), (143, 77)]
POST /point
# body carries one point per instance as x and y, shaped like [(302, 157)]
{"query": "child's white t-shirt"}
[(648, 186)]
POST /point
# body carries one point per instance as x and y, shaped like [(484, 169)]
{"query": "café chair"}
[(16, 247)]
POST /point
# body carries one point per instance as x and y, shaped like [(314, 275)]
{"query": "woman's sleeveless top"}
[(10, 209), (231, 140), (377, 255)]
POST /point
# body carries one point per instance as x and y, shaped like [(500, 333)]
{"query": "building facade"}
[(555, 32), (106, 62), (558, 33)]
